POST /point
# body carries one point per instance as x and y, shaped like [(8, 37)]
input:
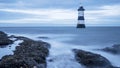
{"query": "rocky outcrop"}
[(91, 60), (115, 49), (30, 54), (4, 39)]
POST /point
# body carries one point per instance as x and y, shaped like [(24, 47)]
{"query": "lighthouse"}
[(81, 22)]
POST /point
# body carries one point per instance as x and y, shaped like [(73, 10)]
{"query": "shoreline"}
[(31, 53)]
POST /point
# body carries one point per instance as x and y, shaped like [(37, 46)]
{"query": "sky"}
[(58, 12)]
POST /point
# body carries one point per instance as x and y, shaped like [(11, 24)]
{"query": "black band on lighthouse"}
[(81, 18), (80, 25)]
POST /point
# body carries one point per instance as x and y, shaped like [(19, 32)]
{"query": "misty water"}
[(64, 39)]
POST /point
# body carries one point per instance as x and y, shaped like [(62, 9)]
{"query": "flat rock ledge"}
[(30, 54), (91, 60), (4, 39), (115, 49)]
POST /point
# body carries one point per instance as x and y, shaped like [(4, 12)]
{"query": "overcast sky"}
[(58, 12)]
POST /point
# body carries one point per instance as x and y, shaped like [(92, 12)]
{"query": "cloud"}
[(68, 4), (101, 15), (41, 15), (16, 4), (38, 4), (7, 1), (104, 14), (92, 3)]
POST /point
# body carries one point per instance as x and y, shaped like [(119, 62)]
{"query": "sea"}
[(64, 39)]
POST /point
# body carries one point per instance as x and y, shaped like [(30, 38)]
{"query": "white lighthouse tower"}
[(81, 22)]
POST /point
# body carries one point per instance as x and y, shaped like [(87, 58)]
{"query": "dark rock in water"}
[(2, 34), (115, 49), (4, 40), (50, 60), (29, 54), (43, 37), (9, 46), (41, 66), (11, 61), (91, 60)]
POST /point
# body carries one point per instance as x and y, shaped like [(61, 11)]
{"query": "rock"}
[(4, 39), (11, 61), (50, 60), (30, 54), (115, 49), (41, 66), (91, 60), (44, 37), (19, 37), (2, 34), (45, 44)]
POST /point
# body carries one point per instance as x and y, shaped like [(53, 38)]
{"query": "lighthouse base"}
[(80, 25)]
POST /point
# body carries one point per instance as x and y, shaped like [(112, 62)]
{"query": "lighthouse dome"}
[(81, 8)]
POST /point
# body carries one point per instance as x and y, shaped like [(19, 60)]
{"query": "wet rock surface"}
[(4, 39), (30, 54), (115, 49), (91, 60)]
